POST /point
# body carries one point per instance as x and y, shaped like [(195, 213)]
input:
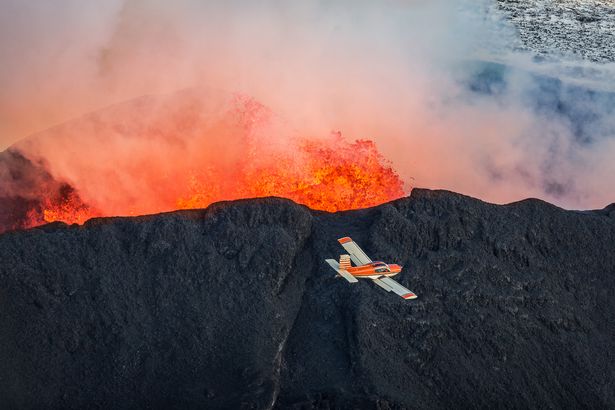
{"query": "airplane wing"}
[(389, 284), (382, 284), (356, 254)]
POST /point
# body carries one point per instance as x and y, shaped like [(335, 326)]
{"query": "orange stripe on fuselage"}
[(368, 270), (362, 270)]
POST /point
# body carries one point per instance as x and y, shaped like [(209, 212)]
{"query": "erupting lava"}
[(68, 209), (188, 155), (331, 175)]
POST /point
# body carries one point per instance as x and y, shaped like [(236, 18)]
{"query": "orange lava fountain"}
[(231, 157), (67, 208), (330, 175)]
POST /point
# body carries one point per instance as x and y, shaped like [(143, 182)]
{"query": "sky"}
[(392, 71)]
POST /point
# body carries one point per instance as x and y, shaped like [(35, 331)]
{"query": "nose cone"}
[(395, 268)]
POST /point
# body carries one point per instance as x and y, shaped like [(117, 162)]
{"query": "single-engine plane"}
[(379, 272)]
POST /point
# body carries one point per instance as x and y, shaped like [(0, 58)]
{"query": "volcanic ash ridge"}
[(234, 306)]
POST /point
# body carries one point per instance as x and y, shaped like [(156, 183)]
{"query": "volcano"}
[(184, 150), (233, 306)]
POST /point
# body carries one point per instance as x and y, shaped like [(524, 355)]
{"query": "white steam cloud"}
[(403, 73)]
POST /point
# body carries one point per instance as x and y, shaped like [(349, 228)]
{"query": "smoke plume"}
[(435, 84)]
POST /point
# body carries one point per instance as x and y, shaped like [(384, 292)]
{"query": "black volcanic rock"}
[(234, 306)]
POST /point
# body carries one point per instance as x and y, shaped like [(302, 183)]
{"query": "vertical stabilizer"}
[(344, 261)]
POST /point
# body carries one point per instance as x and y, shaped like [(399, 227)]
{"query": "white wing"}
[(395, 287), (382, 284), (356, 254)]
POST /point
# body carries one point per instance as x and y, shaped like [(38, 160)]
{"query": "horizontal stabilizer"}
[(333, 263), (397, 288), (343, 273)]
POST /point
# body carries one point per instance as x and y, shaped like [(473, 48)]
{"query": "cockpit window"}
[(382, 269)]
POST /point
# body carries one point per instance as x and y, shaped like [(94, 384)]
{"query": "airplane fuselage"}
[(374, 270)]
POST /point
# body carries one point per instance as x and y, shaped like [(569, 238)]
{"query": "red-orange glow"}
[(67, 208), (71, 211), (329, 175), (182, 158)]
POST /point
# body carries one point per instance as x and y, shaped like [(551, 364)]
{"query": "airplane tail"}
[(339, 269), (344, 261)]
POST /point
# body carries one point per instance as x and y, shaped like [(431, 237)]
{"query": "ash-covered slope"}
[(234, 306)]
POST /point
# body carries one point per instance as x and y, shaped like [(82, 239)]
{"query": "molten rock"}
[(187, 150)]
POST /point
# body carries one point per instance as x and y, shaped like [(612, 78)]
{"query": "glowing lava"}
[(329, 175), (185, 152), (65, 207)]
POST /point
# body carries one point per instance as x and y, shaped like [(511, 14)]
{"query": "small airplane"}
[(379, 272)]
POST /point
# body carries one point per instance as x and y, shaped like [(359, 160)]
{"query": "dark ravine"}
[(233, 306)]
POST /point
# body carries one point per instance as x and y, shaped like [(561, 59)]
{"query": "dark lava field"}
[(234, 307)]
